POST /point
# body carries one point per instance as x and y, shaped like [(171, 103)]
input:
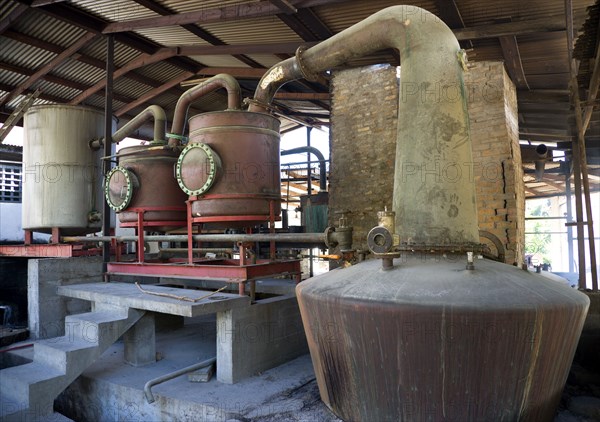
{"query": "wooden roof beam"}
[(12, 17), (82, 41), (83, 58), (194, 29), (450, 14), (528, 26), (153, 93), (285, 6), (140, 61), (212, 15), (59, 81), (512, 61)]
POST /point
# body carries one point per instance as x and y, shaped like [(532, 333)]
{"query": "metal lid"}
[(118, 188), (197, 168)]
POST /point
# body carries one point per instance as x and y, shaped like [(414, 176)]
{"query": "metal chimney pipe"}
[(434, 191), (542, 152), (222, 80)]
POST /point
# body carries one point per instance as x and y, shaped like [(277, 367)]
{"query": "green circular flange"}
[(130, 181), (214, 164)]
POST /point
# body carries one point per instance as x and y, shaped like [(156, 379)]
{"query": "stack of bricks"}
[(364, 116), (363, 149)]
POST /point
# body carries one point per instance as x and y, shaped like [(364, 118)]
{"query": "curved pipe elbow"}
[(160, 124), (387, 28), (320, 157), (234, 99)]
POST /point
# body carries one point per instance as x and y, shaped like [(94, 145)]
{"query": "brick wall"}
[(492, 102), (363, 136), (364, 116)]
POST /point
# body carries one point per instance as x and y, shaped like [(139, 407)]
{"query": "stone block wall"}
[(363, 147), (364, 116)]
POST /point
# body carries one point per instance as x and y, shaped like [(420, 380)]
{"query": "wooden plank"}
[(450, 14), (512, 61), (85, 39)]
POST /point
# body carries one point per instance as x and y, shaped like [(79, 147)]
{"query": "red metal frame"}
[(227, 270)]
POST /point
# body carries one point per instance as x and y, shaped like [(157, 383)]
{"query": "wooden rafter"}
[(285, 6), (194, 29), (83, 40), (140, 61), (211, 15), (153, 93), (12, 17), (450, 14), (512, 61)]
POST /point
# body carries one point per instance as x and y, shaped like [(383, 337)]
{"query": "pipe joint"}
[(306, 71)]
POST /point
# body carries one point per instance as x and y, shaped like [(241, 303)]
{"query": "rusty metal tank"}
[(61, 174), (144, 181), (432, 341), (231, 167)]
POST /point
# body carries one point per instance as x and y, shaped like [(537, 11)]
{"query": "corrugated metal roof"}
[(172, 36), (116, 10), (42, 26), (219, 61), (181, 6), (79, 72), (19, 54), (251, 31)]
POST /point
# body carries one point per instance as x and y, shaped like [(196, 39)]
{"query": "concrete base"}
[(46, 309), (259, 337), (111, 390)]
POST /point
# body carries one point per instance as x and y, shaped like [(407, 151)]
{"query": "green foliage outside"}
[(538, 242)]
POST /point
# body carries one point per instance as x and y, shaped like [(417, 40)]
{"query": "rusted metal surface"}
[(227, 270), (158, 192), (248, 147), (431, 341)]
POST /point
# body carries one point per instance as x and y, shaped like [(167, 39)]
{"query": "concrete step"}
[(30, 389), (94, 326), (29, 384), (13, 411), (65, 353)]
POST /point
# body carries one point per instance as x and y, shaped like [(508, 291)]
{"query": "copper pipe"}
[(222, 80), (153, 111)]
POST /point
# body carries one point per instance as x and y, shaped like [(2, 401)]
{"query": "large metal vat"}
[(144, 182), (61, 174), (236, 180), (432, 341)]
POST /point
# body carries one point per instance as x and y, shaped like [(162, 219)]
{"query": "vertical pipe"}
[(579, 214), (110, 66), (569, 213), (309, 189)]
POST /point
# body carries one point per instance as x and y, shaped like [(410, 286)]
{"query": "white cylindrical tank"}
[(61, 174)]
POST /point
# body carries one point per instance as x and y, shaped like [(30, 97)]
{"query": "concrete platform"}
[(127, 295), (111, 390)]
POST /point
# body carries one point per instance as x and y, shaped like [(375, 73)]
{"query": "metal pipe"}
[(540, 164), (433, 140), (159, 380), (234, 96), (106, 165), (320, 157), (223, 238), (153, 111)]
